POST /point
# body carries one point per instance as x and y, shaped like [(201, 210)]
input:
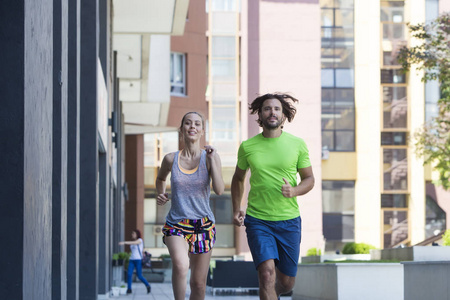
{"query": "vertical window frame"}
[(174, 66)]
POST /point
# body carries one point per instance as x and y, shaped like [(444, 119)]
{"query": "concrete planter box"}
[(416, 253), (328, 257), (427, 280), (349, 281)]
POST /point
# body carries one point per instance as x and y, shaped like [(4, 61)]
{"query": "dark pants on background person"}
[(131, 265)]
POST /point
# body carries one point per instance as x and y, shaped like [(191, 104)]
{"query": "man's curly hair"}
[(288, 109)]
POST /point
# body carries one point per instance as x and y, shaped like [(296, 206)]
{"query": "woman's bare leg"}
[(178, 250), (199, 273)]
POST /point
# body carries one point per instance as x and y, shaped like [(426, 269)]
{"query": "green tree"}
[(432, 55)]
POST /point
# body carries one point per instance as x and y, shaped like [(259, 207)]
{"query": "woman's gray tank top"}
[(190, 192)]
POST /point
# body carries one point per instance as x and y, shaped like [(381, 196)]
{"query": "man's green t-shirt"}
[(270, 160)]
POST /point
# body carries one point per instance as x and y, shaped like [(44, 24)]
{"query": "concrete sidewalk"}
[(163, 291)]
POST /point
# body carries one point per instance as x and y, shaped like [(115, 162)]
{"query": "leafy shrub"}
[(446, 238), (124, 255), (357, 248), (314, 252)]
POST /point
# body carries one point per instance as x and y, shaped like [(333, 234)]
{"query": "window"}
[(394, 201), (393, 138), (222, 5), (435, 218), (395, 172), (395, 230), (338, 200), (177, 74), (338, 119), (337, 75)]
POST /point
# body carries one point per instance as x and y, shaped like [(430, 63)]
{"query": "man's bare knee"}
[(284, 283), (266, 275)]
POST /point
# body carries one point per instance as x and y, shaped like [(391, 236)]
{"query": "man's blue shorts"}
[(277, 240)]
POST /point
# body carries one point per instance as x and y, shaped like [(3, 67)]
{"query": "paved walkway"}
[(163, 291)]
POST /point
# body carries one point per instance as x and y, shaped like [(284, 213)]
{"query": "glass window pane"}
[(224, 22), (431, 10), (394, 200), (150, 175), (392, 76), (225, 236), (327, 3), (349, 4), (432, 94), (327, 17), (177, 74), (337, 37), (149, 236), (344, 78), (149, 210), (395, 228), (391, 93), (223, 46), (327, 58), (344, 17), (223, 69), (149, 149), (345, 141), (169, 142), (338, 227), (344, 58), (393, 138), (392, 11), (223, 118), (395, 166), (343, 37), (345, 96), (222, 5), (395, 114), (224, 91), (393, 32), (338, 196), (344, 116), (390, 58), (435, 218), (222, 208), (328, 96), (328, 139), (178, 68), (328, 117), (327, 37), (327, 77)]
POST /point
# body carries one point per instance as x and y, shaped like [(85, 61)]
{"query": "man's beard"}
[(272, 126)]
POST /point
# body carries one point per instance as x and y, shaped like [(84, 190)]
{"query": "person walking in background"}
[(137, 250), (189, 231), (272, 219)]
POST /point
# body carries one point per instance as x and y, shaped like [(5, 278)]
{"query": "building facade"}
[(370, 186), (61, 181), (375, 189)]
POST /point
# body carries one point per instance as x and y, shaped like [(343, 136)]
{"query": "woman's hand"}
[(162, 199), (210, 151), (215, 169)]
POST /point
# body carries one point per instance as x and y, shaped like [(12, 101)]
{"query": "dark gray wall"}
[(38, 160), (12, 32), (51, 210), (105, 184), (73, 151), (89, 166), (59, 198)]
